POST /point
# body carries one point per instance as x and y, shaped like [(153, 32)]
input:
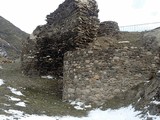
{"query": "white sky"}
[(27, 14)]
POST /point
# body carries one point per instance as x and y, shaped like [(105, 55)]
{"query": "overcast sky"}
[(27, 14)]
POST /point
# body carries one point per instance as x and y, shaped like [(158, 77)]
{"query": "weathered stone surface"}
[(149, 96), (93, 70), (110, 70), (73, 25), (108, 28), (3, 44)]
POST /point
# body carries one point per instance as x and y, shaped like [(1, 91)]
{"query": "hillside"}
[(11, 38)]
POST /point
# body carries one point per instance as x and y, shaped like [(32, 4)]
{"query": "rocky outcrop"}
[(147, 96), (3, 45), (151, 40), (73, 25), (6, 49)]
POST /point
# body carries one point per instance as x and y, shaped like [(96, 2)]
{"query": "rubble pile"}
[(73, 25)]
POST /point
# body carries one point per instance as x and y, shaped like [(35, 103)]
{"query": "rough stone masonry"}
[(98, 74), (73, 25), (94, 69)]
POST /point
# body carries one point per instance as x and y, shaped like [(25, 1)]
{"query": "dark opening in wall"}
[(49, 58)]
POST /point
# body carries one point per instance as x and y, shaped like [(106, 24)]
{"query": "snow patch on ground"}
[(125, 113), (47, 77), (14, 99), (79, 105), (22, 104), (16, 115), (123, 42), (14, 91), (1, 82), (153, 117), (156, 102)]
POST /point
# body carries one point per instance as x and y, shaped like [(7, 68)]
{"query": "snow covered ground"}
[(14, 91), (125, 113), (1, 82)]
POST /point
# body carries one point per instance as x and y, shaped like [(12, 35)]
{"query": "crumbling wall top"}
[(108, 28), (73, 25)]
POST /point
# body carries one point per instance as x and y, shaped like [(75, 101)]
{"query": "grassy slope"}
[(41, 95), (12, 35)]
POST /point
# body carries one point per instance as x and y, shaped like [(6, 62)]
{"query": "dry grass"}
[(42, 96)]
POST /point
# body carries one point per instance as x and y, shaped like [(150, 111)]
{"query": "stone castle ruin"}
[(73, 25), (95, 60)]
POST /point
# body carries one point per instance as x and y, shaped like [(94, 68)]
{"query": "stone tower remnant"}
[(73, 25), (108, 28)]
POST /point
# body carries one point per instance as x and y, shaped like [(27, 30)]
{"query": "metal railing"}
[(140, 27)]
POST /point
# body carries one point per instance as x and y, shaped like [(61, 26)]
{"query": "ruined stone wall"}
[(93, 70), (108, 28), (73, 25), (95, 75)]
